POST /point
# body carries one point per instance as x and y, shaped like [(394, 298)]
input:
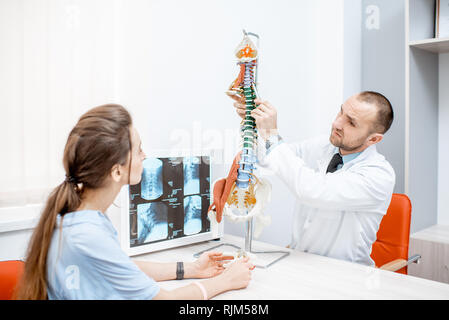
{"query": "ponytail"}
[(100, 140), (33, 284)]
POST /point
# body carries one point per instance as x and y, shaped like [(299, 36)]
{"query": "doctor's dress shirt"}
[(347, 158)]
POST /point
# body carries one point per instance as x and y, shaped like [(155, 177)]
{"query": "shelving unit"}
[(432, 45), (422, 52), (433, 246)]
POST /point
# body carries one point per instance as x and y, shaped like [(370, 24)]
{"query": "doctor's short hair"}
[(385, 113)]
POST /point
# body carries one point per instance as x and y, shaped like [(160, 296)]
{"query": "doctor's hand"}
[(239, 105), (266, 118), (210, 264)]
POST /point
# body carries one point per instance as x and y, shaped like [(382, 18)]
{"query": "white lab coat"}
[(336, 214)]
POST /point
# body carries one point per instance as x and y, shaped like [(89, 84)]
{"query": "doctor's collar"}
[(349, 157)]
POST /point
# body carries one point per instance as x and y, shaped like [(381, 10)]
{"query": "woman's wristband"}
[(179, 270), (203, 290)]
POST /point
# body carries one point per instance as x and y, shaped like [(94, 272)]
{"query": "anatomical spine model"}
[(242, 196)]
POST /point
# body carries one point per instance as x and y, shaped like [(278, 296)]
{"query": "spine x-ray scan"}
[(151, 183), (152, 222), (192, 214), (171, 201), (191, 175)]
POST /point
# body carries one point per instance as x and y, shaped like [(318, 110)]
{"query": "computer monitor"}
[(168, 208)]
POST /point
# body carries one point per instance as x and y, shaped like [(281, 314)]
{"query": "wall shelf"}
[(435, 45)]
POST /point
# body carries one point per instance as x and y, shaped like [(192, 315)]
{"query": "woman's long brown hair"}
[(100, 140)]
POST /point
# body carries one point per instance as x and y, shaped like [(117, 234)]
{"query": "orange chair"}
[(390, 251), (10, 273)]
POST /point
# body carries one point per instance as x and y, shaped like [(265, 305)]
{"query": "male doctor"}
[(343, 186)]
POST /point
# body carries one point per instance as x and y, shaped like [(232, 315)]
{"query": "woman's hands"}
[(235, 276), (238, 274), (210, 264)]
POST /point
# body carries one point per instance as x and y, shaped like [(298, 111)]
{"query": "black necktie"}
[(335, 161)]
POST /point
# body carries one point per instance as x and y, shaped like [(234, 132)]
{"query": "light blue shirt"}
[(87, 262), (347, 158)]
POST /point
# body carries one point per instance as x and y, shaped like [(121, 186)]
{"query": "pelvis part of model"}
[(242, 195)]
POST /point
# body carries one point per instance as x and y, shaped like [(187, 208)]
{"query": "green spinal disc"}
[(248, 134), (249, 106)]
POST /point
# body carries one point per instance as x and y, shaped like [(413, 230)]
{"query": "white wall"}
[(352, 47), (443, 138)]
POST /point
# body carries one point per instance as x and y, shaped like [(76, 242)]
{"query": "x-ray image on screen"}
[(171, 200), (152, 222), (191, 175), (151, 183), (192, 214)]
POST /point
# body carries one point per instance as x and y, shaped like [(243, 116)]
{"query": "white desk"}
[(307, 276)]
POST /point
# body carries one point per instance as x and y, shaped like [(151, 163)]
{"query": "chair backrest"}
[(394, 233), (10, 273)]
